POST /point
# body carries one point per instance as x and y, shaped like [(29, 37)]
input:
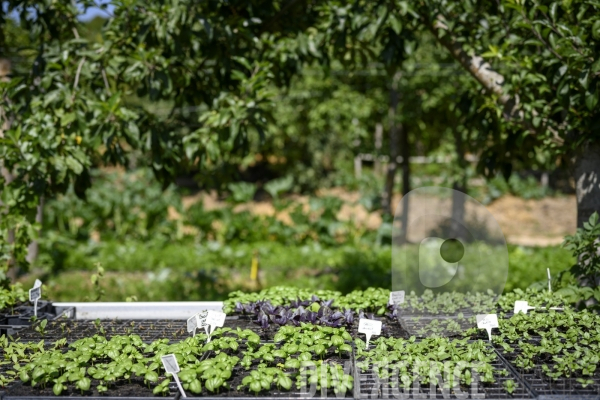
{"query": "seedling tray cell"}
[(72, 330), (368, 385), (426, 326), (547, 387), (559, 388)]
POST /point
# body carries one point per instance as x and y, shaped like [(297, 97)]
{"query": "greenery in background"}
[(118, 206), (586, 269), (96, 100), (195, 272), (125, 227), (92, 100), (11, 296)]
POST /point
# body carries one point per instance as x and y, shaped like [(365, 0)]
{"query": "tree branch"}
[(491, 80), (106, 82), (78, 73)]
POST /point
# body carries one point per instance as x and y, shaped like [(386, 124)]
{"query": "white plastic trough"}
[(176, 310)]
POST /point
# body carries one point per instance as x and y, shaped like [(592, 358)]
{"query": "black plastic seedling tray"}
[(148, 330), (21, 317), (368, 386), (531, 384), (545, 387)]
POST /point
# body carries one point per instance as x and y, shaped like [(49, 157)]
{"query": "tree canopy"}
[(192, 85)]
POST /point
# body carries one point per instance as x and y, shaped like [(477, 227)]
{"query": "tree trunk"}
[(388, 191), (405, 154), (587, 186), (378, 142), (460, 187), (587, 182), (5, 69)]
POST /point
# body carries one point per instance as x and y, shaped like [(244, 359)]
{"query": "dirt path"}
[(525, 222)]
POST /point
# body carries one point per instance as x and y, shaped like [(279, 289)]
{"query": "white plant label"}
[(214, 319), (549, 280), (171, 366), (522, 306), (201, 320), (192, 324), (170, 363), (35, 294), (487, 322), (397, 297), (369, 327)]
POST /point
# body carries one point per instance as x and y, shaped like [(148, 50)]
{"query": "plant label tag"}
[(170, 363), (487, 322), (214, 319), (201, 322), (369, 327), (397, 297), (522, 306), (37, 283), (171, 366), (35, 293), (192, 324)]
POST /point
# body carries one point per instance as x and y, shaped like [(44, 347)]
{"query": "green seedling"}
[(41, 327)]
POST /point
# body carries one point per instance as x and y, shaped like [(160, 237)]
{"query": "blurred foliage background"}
[(168, 204)]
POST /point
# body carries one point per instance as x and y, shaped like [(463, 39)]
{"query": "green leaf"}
[(84, 384), (66, 119), (292, 363), (24, 376), (596, 30), (255, 386), (213, 384), (196, 386), (151, 376), (346, 347), (57, 389), (280, 354), (337, 340), (285, 382)]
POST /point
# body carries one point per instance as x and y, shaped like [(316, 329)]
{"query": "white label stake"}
[(523, 306), (35, 294), (549, 280), (192, 324), (170, 363), (487, 322), (214, 319), (397, 297), (369, 327)]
